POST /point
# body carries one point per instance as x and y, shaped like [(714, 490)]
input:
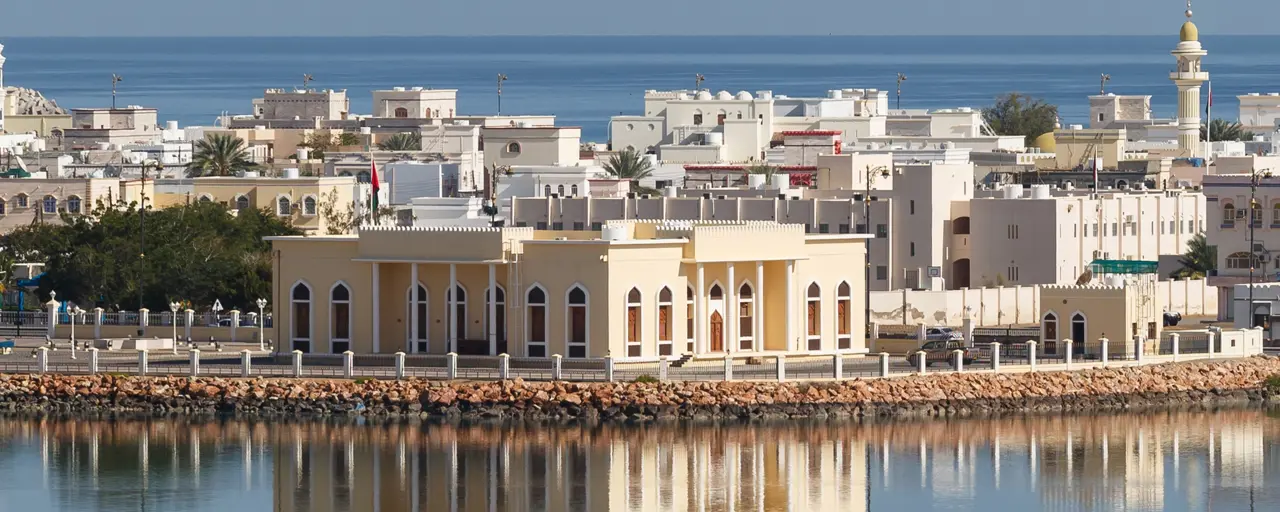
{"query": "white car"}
[(942, 334)]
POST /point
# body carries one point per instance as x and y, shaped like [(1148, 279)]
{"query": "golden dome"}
[(1190, 32), (1045, 142)]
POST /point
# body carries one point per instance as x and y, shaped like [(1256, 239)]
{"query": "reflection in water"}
[(1165, 461)]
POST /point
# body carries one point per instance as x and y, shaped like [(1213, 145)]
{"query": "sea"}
[(586, 80)]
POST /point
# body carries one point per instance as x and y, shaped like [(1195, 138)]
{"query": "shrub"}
[(1272, 384), (646, 379), (364, 380)]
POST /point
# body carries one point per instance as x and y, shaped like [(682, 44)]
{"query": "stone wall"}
[(946, 394)]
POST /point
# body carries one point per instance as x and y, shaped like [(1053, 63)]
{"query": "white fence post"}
[(349, 364), (1137, 347), (297, 363), (920, 362), (837, 367), (920, 334), (781, 367), (235, 322), (608, 368), (957, 357), (97, 323), (1173, 340), (504, 366), (399, 365), (245, 363), (1031, 354), (144, 318), (995, 356), (142, 362), (42, 359), (1106, 350), (1066, 344), (93, 360), (884, 364), (52, 308), (664, 369), (451, 365), (1212, 335), (728, 368), (557, 367), (194, 357), (186, 325)]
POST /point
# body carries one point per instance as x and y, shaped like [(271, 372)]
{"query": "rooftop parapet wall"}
[(762, 241), (399, 243)]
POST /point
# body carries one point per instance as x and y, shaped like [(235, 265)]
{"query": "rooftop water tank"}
[(835, 94), (1012, 191), (713, 138), (1039, 191), (304, 153), (417, 89), (1114, 280), (398, 89), (365, 130), (781, 181), (755, 181), (171, 126), (291, 173), (764, 95), (669, 191), (103, 146), (613, 233)]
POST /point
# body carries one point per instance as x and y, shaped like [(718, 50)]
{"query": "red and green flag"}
[(376, 187)]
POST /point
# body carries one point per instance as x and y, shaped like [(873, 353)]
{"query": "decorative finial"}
[(1188, 9)]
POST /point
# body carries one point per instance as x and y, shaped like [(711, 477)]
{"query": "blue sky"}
[(657, 17)]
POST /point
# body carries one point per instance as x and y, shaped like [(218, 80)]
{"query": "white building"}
[(92, 127), (415, 103), (1259, 113), (528, 145)]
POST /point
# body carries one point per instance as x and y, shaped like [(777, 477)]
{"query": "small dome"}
[(744, 95), (1046, 143), (724, 95), (1190, 32), (704, 95)]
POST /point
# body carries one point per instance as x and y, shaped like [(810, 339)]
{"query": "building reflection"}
[(1082, 463)]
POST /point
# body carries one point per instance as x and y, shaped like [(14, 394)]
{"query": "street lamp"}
[(72, 311), (142, 235), (115, 79), (901, 78), (262, 323), (871, 174), (501, 78), (1102, 83), (173, 321), (1255, 176)]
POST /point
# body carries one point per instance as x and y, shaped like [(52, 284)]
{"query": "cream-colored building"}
[(532, 145), (631, 290), (25, 201), (1259, 112), (305, 200), (1124, 310), (116, 126), (415, 103), (308, 104)]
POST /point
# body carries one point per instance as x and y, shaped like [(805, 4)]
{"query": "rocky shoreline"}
[(1174, 385)]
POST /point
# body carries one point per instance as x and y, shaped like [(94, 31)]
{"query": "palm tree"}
[(401, 142), (1221, 129), (629, 164), (219, 155), (762, 168), (1199, 259)]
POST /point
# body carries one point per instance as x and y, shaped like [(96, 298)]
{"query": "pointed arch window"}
[(844, 320), (2, 207), (717, 293), (1049, 333), (690, 332), (309, 206), (339, 319), (634, 322), (746, 317), (300, 324), (1079, 330), (813, 301), (242, 203), (664, 322), (284, 206), (422, 344), (577, 322), (536, 322)]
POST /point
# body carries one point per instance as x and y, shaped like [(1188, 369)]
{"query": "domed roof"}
[(744, 95), (704, 95), (1189, 32), (1046, 143), (724, 95)]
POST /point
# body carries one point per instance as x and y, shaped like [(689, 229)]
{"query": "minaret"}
[(1188, 78)]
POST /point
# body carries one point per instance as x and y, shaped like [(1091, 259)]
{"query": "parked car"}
[(941, 352), (942, 334), (1171, 318)]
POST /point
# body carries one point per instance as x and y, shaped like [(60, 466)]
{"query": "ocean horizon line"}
[(625, 36)]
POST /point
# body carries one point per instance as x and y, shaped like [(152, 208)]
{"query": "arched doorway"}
[(717, 332), (960, 273)]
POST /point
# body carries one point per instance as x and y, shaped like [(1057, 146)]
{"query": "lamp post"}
[(262, 324), (72, 311), (501, 78), (115, 79), (1256, 176), (697, 82), (871, 173), (901, 78), (1102, 83), (142, 236), (173, 321)]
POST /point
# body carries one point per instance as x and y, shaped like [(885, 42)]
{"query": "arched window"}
[(363, 177), (1240, 261), (546, 191), (500, 318), (844, 320), (1228, 215), (560, 190), (536, 322), (1275, 213), (513, 148), (73, 204), (573, 191), (813, 301), (1256, 215), (422, 344), (242, 203), (1079, 332), (20, 201), (459, 312), (402, 112), (664, 322), (50, 204), (690, 332), (284, 206), (577, 322), (339, 319), (1049, 333), (2, 207), (633, 323), (716, 292), (746, 317), (206, 198), (300, 327), (309, 205)]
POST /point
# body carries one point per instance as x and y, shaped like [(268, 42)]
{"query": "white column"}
[(452, 306), (791, 304), (699, 323), (377, 327), (413, 309), (758, 308), (731, 313), (493, 309)]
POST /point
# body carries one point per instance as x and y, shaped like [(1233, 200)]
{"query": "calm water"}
[(584, 80), (1226, 461)]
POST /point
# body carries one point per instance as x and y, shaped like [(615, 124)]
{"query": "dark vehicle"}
[(1171, 318), (940, 352)]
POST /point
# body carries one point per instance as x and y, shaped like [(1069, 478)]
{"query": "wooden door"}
[(717, 332)]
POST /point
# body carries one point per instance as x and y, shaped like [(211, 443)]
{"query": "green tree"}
[(1018, 114), (219, 155), (629, 164), (1221, 129), (196, 252), (342, 220), (319, 143), (1199, 259), (349, 139), (401, 142)]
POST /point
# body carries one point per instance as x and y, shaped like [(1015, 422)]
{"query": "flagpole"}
[(1208, 126)]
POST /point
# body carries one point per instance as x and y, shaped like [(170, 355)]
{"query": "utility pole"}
[(1102, 83), (871, 173), (115, 79), (501, 78), (697, 82), (901, 78), (1256, 176)]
